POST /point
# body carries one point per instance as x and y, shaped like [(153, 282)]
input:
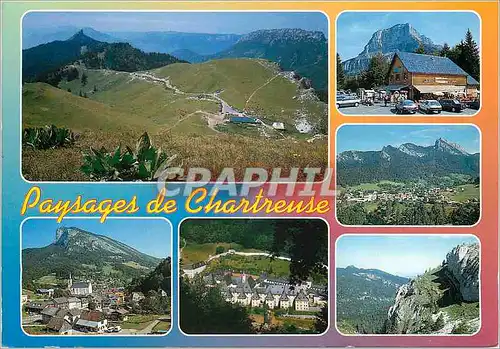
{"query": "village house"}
[(421, 76), (49, 292), (301, 302), (91, 321), (36, 307), (59, 325), (67, 303), (48, 313)]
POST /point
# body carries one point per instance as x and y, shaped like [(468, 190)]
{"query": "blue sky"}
[(354, 29), (194, 22), (374, 137), (399, 255), (150, 236)]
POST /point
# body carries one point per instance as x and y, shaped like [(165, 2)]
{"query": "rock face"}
[(463, 263), (419, 306), (400, 37), (407, 315)]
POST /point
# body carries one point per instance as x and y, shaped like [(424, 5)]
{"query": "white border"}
[(329, 86), (99, 335), (420, 11), (402, 335), (282, 335), (422, 125)]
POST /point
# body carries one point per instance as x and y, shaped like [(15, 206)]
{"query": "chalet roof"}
[(471, 80), (87, 323), (301, 297), (37, 305), (284, 297), (56, 324), (120, 311), (75, 312), (419, 63), (61, 300), (92, 315), (279, 289), (242, 296), (73, 299), (243, 119), (81, 284), (50, 311), (269, 297)]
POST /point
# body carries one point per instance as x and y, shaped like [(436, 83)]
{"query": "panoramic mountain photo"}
[(92, 278), (387, 58), (191, 89), (408, 284), (408, 175), (254, 276)]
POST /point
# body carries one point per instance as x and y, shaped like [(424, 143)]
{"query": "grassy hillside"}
[(151, 104), (252, 85), (120, 106), (44, 104)]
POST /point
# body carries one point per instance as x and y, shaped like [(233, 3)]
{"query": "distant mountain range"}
[(364, 297), (400, 37), (406, 162), (48, 58), (81, 253), (305, 52)]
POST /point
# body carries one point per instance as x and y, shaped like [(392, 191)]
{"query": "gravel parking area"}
[(380, 109)]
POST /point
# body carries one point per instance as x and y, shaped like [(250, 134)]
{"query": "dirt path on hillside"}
[(258, 88)]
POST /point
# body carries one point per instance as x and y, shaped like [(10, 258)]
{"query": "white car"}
[(347, 101)]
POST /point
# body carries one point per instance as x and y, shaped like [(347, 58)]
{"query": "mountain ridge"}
[(41, 62), (83, 253), (406, 162)]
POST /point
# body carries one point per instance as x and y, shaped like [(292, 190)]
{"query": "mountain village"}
[(261, 294), (82, 310)]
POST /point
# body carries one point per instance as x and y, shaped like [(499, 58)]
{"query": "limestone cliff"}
[(442, 300)]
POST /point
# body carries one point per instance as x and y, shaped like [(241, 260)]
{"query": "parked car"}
[(347, 101), (430, 106), (475, 104), (406, 106), (451, 105)]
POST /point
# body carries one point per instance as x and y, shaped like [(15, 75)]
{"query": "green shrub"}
[(146, 163), (48, 137)]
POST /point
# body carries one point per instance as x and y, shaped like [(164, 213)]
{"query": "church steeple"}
[(70, 281)]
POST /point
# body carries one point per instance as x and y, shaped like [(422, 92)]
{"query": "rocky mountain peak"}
[(419, 303), (442, 144), (82, 39), (400, 37)]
